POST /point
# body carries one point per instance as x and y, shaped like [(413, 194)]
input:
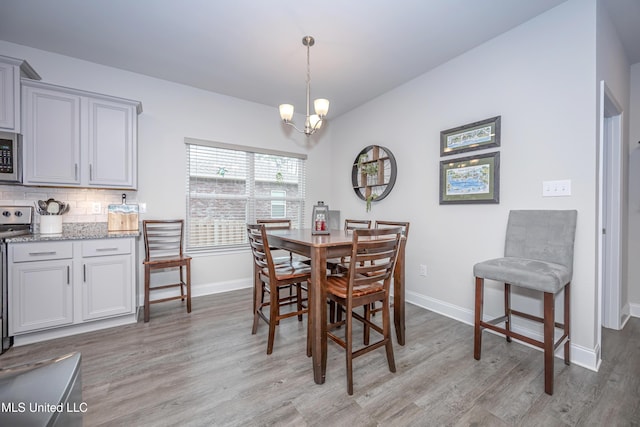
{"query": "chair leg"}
[(258, 297), (147, 279), (567, 321), (366, 329), (181, 281), (386, 329), (308, 323), (507, 309), (349, 348), (274, 313), (549, 325), (256, 283), (477, 335), (188, 286), (298, 299), (332, 312)]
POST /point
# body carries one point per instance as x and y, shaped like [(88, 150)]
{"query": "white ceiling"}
[(252, 49)]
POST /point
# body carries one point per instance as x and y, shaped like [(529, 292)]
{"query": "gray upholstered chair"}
[(538, 255)]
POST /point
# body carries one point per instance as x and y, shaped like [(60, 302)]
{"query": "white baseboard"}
[(203, 289), (634, 310), (581, 356), (66, 331)]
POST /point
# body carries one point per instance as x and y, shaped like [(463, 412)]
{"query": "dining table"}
[(318, 248)]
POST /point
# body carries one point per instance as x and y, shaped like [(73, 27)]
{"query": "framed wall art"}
[(474, 179), (474, 136)]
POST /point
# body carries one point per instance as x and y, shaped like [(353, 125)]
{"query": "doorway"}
[(610, 203)]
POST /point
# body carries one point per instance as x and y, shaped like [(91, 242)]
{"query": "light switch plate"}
[(556, 188)]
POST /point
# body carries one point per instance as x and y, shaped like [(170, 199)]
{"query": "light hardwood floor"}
[(206, 369)]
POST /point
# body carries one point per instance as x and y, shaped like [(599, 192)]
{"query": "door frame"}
[(610, 215)]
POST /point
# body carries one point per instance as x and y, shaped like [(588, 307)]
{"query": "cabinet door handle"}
[(90, 171), (106, 249), (76, 171), (68, 275), (84, 273), (42, 253)]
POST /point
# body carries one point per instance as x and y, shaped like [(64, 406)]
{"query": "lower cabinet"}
[(41, 295), (106, 279), (62, 283)]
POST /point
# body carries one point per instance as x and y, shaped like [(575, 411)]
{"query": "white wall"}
[(540, 77), (634, 191), (172, 112)]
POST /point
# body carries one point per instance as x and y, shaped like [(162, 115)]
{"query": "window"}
[(278, 204), (229, 186)]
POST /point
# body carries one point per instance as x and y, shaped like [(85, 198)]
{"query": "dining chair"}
[(368, 277), (277, 224), (337, 265), (404, 226), (163, 250), (538, 255), (272, 279), (281, 224)]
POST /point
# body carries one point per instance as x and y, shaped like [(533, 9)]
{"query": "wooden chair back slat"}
[(275, 224), (163, 238), (356, 224), (373, 256)]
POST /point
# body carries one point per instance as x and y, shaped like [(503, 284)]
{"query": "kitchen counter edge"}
[(75, 231)]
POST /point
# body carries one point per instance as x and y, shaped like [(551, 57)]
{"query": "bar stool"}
[(163, 249), (538, 255)]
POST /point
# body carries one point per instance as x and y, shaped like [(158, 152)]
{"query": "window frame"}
[(195, 171)]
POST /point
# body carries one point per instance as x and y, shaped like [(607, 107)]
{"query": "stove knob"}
[(6, 214), (18, 213)]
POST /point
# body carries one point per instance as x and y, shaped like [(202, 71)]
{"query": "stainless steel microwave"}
[(10, 158)]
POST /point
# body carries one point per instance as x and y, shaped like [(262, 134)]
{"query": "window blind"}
[(229, 186)]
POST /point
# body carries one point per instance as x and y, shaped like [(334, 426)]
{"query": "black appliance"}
[(14, 221), (10, 158)]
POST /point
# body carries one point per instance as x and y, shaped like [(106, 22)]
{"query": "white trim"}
[(236, 147), (634, 310), (581, 356), (202, 289), (609, 213), (66, 331)]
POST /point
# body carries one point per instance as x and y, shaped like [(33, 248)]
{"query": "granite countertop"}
[(75, 231)]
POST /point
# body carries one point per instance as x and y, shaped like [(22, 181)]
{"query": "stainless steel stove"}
[(14, 221)]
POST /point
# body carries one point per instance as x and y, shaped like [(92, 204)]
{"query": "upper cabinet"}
[(11, 69), (73, 138)]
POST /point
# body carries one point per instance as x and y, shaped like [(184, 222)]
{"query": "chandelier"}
[(321, 106)]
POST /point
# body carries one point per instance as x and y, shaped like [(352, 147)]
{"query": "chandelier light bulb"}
[(321, 106), (286, 112)]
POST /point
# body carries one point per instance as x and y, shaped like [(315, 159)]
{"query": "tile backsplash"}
[(81, 200)]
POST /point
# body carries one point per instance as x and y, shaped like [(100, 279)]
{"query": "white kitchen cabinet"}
[(73, 138), (107, 288), (40, 291), (70, 283), (10, 71), (51, 137)]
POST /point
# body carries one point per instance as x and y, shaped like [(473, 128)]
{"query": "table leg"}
[(318, 313), (398, 297)]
